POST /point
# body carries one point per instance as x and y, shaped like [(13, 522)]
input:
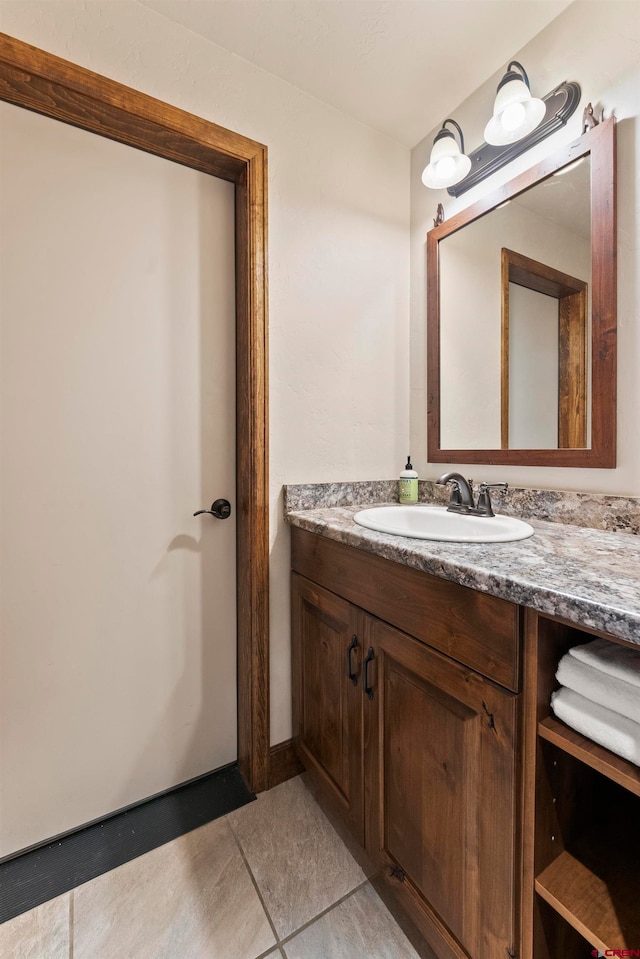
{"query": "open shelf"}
[(593, 882), (597, 757), (586, 824), (596, 889)]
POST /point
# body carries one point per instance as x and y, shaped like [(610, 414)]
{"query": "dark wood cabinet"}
[(501, 833), (441, 794), (419, 754), (328, 716)]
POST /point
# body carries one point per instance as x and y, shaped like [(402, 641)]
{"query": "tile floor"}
[(270, 881)]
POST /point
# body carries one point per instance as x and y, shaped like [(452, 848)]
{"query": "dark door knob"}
[(220, 508)]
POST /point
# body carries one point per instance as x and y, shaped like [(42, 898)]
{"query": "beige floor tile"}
[(299, 862), (42, 933), (361, 927), (190, 899)]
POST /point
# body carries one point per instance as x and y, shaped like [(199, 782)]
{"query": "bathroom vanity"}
[(422, 679), (423, 670)]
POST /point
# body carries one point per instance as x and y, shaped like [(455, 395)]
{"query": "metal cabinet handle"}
[(367, 689), (220, 508), (350, 648)]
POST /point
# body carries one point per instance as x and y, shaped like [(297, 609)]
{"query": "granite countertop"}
[(587, 576)]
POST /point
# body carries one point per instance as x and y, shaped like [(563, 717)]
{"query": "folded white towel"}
[(609, 729), (623, 662), (599, 687)]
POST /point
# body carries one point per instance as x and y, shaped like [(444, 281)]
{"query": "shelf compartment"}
[(597, 757), (595, 887)]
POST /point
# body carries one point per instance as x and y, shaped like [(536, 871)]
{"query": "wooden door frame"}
[(572, 295), (46, 84)]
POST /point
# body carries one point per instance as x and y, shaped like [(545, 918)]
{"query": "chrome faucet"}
[(461, 499)]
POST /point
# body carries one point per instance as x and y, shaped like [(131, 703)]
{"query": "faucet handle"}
[(485, 507)]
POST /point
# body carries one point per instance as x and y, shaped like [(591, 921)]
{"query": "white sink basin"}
[(434, 522)]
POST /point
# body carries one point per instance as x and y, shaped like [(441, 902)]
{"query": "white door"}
[(117, 422)]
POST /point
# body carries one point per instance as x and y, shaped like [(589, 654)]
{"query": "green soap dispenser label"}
[(408, 491)]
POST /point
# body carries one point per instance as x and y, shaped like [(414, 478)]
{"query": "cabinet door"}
[(440, 794), (327, 662)]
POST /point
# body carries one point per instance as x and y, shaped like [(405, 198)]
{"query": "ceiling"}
[(399, 66)]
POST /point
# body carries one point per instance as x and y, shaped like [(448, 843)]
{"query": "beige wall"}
[(596, 44), (339, 252)]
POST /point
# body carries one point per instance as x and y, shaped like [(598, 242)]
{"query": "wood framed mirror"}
[(521, 317)]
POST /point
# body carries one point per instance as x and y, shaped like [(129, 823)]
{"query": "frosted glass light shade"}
[(515, 113), (447, 165)]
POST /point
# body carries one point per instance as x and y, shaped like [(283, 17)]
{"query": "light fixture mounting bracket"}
[(560, 104)]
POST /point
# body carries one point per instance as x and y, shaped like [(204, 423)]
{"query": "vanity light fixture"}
[(558, 106), (515, 112), (447, 163)]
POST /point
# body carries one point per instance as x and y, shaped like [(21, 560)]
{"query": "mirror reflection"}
[(515, 331)]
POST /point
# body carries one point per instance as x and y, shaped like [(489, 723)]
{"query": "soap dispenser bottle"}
[(408, 484)]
